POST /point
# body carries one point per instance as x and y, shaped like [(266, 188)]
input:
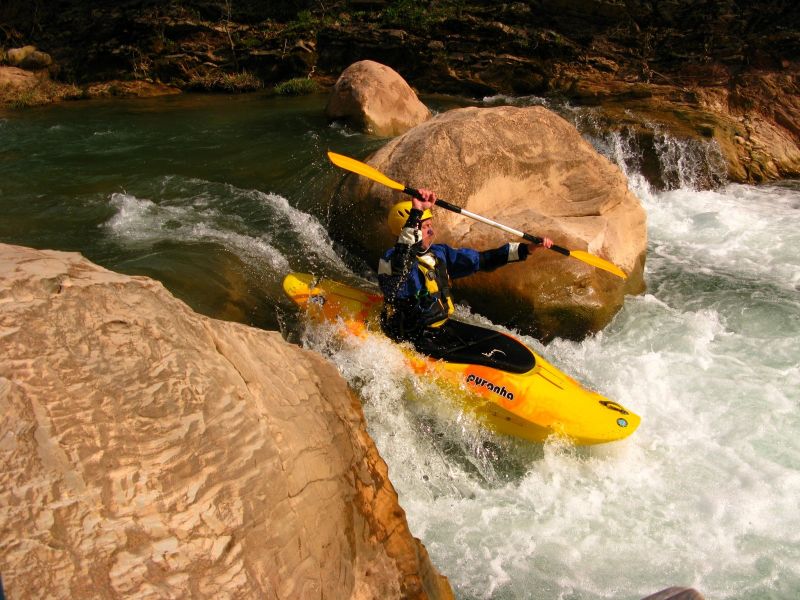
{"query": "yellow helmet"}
[(398, 215)]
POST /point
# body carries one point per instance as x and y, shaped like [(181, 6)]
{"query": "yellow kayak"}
[(531, 402)]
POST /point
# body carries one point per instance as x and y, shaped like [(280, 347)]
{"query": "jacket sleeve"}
[(512, 252), (465, 261), (460, 261), (394, 268)]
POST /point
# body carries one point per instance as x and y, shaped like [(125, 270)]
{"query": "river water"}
[(219, 197)]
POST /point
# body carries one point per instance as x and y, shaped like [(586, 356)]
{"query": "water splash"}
[(684, 500), (650, 157), (139, 221), (688, 163), (657, 159), (263, 229), (522, 101)]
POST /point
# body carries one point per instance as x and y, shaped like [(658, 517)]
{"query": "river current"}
[(220, 197)]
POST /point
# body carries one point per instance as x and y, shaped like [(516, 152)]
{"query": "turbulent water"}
[(221, 198)]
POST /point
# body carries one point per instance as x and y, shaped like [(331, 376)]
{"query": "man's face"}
[(427, 233)]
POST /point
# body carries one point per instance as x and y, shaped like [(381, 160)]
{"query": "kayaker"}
[(415, 274)]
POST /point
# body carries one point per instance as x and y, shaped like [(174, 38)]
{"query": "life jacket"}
[(437, 284)]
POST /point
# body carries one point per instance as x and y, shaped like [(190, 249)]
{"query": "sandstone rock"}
[(150, 452), (528, 168), (14, 56), (375, 99)]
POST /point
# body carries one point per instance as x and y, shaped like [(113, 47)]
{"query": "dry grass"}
[(41, 93)]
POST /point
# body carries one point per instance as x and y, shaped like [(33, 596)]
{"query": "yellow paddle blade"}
[(596, 261), (351, 164), (355, 166)]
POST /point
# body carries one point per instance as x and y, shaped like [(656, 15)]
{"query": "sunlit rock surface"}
[(375, 99), (150, 452), (529, 169)]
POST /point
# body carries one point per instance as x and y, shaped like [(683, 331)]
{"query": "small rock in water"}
[(676, 593)]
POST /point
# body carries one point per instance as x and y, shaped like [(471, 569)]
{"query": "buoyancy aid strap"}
[(437, 283)]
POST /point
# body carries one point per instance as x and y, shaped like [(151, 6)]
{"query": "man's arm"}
[(395, 266), (464, 261), (511, 252)]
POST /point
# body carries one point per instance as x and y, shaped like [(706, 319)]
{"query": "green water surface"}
[(60, 167)]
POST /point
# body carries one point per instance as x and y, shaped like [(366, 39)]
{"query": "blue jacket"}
[(460, 262), (410, 307)]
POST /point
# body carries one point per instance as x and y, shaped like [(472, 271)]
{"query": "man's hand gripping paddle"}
[(354, 166)]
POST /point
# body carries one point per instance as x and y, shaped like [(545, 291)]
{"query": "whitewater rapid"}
[(704, 494)]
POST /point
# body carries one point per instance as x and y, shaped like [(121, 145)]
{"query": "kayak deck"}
[(531, 404)]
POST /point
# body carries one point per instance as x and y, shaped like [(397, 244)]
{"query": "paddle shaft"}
[(355, 166), (462, 211)]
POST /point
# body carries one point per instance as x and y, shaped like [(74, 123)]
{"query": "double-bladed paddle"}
[(360, 168)]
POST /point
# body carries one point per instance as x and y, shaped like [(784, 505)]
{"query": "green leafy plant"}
[(413, 14)]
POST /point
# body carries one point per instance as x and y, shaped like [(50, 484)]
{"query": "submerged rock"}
[(529, 169), (676, 593), (149, 452), (375, 99)]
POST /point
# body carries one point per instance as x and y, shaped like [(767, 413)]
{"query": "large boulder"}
[(527, 168), (149, 452), (375, 99)]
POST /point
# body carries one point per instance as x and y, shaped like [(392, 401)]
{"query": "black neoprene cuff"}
[(414, 216)]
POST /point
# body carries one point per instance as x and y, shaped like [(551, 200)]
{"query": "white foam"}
[(190, 209), (343, 129), (704, 493), (310, 230), (141, 221), (738, 230)]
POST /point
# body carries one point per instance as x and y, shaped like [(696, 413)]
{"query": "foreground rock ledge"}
[(151, 452)]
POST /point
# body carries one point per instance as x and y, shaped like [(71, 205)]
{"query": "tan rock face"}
[(529, 169), (151, 452), (375, 99)]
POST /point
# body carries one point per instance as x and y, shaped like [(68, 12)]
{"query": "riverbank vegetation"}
[(725, 72)]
